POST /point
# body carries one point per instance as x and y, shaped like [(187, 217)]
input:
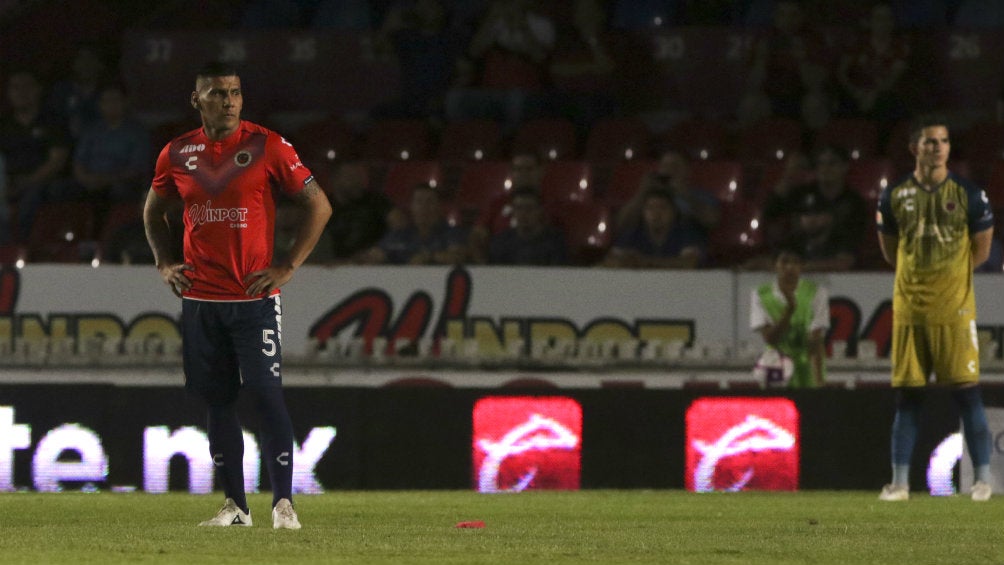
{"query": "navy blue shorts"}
[(226, 345)]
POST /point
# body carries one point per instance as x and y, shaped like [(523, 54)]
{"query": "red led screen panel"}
[(526, 443), (742, 444)]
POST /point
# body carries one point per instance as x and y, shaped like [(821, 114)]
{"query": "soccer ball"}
[(774, 369)]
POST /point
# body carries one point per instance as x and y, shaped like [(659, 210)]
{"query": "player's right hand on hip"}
[(174, 277)]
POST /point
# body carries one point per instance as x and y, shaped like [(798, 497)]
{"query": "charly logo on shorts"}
[(242, 158)]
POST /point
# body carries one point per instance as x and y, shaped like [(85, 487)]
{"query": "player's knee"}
[(909, 397), (967, 395), (214, 395)]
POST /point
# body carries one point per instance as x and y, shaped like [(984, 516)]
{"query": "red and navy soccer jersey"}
[(229, 189)]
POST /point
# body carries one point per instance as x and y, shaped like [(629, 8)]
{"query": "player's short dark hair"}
[(662, 194), (216, 69), (837, 150), (426, 186), (789, 246), (921, 122), (526, 191), (115, 85)]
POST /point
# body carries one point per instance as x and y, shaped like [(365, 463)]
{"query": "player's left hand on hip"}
[(267, 280)]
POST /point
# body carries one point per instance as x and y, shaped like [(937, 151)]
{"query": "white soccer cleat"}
[(895, 493), (981, 491), (229, 515), (284, 517)]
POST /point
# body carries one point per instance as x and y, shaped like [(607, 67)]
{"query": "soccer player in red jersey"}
[(227, 176)]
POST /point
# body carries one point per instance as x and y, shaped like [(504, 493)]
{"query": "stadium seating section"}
[(592, 168)]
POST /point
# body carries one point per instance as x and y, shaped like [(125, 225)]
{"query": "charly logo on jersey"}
[(242, 158), (192, 148), (201, 214)]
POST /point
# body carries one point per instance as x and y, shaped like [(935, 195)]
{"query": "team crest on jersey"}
[(242, 158), (950, 206)]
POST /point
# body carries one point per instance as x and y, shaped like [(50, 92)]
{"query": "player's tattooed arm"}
[(316, 211), (158, 234)]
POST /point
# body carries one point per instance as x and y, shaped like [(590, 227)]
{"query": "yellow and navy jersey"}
[(934, 260)]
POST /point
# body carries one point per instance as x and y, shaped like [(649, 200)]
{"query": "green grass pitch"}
[(535, 527)]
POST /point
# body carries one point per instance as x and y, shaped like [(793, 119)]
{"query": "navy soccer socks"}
[(904, 433), (226, 445), (277, 441), (975, 429)]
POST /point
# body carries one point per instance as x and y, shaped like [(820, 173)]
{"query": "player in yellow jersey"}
[(935, 228)]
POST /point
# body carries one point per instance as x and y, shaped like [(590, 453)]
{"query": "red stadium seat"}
[(118, 216), (398, 140), (738, 236), (11, 253), (724, 179), (480, 184), (697, 139), (564, 182), (995, 186), (548, 138), (769, 139), (870, 176), (857, 136), (163, 133), (617, 139), (625, 181), (404, 175), (587, 228), (57, 231), (471, 140), (897, 145), (982, 142), (324, 141)]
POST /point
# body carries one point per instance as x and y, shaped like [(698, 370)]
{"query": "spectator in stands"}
[(271, 14), (824, 245), (789, 62), (781, 202), (582, 67), (288, 217), (35, 145), (510, 50), (75, 99), (995, 262), (698, 212), (792, 315), (5, 233), (112, 157), (872, 71), (426, 51), (827, 216), (531, 240), (644, 14), (527, 171), (660, 241), (921, 13), (427, 239), (343, 15), (127, 244), (979, 14), (359, 215)]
